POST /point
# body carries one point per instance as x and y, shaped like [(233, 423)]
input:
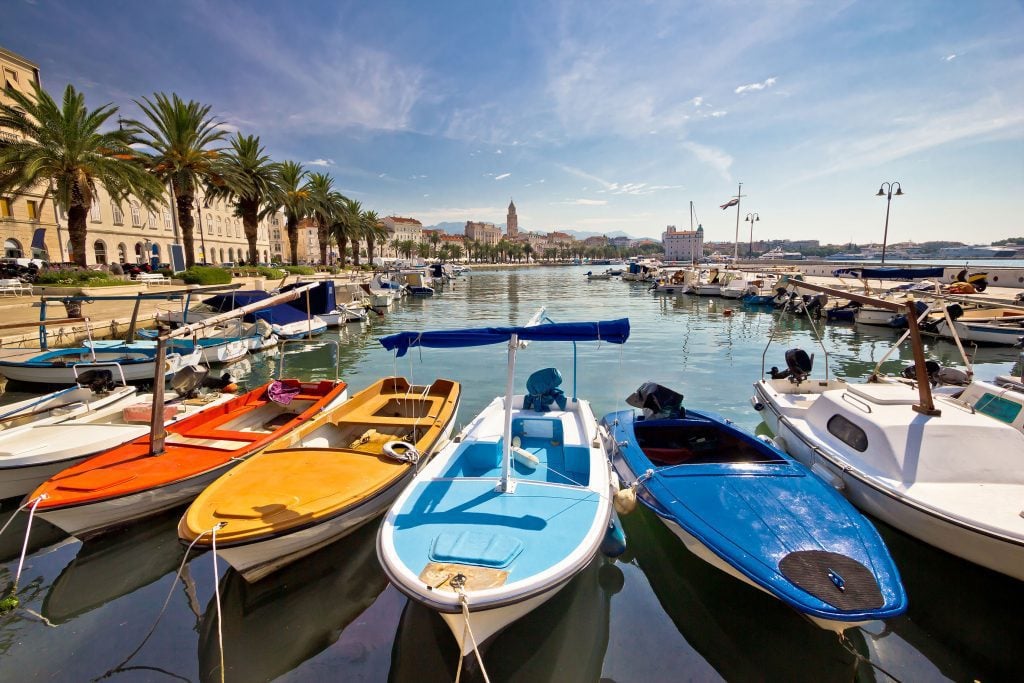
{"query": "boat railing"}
[(92, 365)]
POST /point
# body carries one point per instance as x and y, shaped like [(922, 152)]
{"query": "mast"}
[(507, 484), (736, 242)]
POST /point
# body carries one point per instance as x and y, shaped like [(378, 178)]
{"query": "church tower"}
[(511, 221)]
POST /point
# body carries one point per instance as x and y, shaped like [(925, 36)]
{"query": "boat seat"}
[(668, 456), (306, 397), (222, 435), (475, 548)]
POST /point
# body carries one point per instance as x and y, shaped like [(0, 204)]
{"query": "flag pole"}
[(736, 242)]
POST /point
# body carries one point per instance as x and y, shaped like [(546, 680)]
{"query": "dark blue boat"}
[(749, 509), (286, 321)]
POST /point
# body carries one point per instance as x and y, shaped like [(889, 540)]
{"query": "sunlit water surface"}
[(656, 614)]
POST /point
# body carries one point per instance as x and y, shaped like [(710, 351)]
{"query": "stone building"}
[(511, 221), (484, 233), (683, 245)]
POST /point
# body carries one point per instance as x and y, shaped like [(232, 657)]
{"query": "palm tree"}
[(347, 224), (248, 160), (528, 250), (62, 145), (435, 239), (323, 206), (456, 252), (373, 230), (396, 245), (181, 135), (423, 249), (293, 199)]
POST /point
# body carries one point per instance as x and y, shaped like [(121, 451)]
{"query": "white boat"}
[(870, 315), (31, 454), (714, 281), (89, 394), (517, 505), (682, 281), (603, 275), (62, 366), (987, 333), (948, 473)]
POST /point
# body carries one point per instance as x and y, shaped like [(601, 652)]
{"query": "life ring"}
[(401, 450)]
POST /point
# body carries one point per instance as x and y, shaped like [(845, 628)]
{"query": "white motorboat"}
[(682, 281), (505, 516), (714, 281), (91, 393), (62, 366)]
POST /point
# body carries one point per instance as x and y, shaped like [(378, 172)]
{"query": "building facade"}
[(484, 233), (683, 245)]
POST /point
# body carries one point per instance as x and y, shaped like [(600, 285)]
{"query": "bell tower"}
[(511, 221)]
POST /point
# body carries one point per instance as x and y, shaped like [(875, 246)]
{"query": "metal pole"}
[(507, 485), (174, 212), (885, 235), (736, 242), (202, 238)]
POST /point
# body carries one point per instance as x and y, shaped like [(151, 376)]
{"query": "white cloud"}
[(586, 202), (766, 83), (319, 162), (502, 176), (713, 157), (697, 101), (951, 57), (718, 114)]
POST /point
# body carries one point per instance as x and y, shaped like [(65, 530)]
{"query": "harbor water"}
[(96, 610)]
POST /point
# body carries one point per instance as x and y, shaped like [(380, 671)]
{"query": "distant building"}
[(595, 241), (402, 229), (484, 233), (511, 221), (683, 245), (556, 239)]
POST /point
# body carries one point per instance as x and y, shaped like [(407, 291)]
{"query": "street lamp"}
[(886, 191), (751, 218)]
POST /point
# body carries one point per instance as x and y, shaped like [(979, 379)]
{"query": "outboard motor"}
[(188, 380), (798, 366), (99, 381), (657, 401), (910, 372), (955, 311)]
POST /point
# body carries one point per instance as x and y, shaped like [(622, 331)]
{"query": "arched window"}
[(231, 254), (117, 213), (12, 248), (140, 253), (209, 224), (95, 213), (122, 253), (100, 249), (167, 219), (152, 220), (222, 255), (266, 257), (136, 215), (220, 226)]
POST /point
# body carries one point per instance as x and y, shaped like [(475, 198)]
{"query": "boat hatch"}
[(475, 548), (839, 580), (884, 394), (1002, 409)]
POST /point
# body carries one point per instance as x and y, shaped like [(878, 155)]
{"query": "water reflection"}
[(562, 640), (11, 542), (272, 626)]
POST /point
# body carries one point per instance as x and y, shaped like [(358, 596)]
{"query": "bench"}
[(14, 287), (153, 279)]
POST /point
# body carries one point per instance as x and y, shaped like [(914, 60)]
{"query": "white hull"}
[(16, 483), (983, 333), (873, 316), (133, 372), (88, 519), (257, 343), (709, 290), (226, 352)]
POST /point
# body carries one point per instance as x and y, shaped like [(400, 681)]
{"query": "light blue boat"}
[(754, 512), (519, 503)]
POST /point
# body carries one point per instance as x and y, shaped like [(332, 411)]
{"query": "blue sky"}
[(592, 115)]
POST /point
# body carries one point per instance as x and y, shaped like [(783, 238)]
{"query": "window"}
[(231, 255), (5, 207), (95, 214), (167, 220), (33, 209), (100, 249), (122, 253), (152, 219), (12, 248), (222, 255), (136, 215), (209, 224), (220, 226), (140, 252), (117, 213), (11, 76), (847, 432)]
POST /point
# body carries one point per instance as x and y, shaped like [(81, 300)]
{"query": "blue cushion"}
[(476, 548)]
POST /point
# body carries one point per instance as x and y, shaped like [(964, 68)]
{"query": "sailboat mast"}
[(507, 485), (736, 242)]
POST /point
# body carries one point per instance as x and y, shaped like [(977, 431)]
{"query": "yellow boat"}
[(325, 479)]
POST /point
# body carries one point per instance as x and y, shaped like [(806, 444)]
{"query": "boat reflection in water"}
[(743, 633), (43, 534), (113, 565), (273, 626), (562, 640)]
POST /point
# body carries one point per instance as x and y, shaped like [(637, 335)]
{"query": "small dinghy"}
[(141, 478), (325, 479), (516, 506), (754, 512)]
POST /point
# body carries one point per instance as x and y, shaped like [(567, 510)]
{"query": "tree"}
[(423, 249), (62, 145), (293, 199), (373, 230), (248, 160), (181, 135), (407, 248), (323, 205), (435, 239), (347, 223), (456, 252), (528, 250)]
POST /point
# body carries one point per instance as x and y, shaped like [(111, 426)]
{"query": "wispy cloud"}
[(502, 176), (766, 83), (586, 202), (319, 162), (950, 57), (717, 159), (430, 215)]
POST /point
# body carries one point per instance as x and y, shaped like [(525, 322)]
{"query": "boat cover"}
[(322, 298), (543, 390), (613, 331), (891, 273), (281, 314)]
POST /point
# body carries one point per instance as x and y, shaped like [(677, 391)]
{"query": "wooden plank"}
[(43, 323)]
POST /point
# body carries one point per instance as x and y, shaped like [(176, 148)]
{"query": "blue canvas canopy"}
[(322, 299), (895, 273), (613, 331), (282, 314)]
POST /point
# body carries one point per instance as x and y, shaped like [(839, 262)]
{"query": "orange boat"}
[(325, 479), (127, 483)]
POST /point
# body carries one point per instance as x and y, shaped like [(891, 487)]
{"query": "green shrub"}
[(270, 273), (205, 275), (76, 277), (165, 271), (300, 270)]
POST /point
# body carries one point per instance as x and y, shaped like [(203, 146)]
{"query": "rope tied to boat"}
[(167, 601), (848, 646), (10, 602), (458, 584), (625, 499)]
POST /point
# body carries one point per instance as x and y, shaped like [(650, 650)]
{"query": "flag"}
[(732, 202)]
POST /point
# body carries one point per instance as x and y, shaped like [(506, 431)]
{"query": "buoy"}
[(625, 501), (229, 388), (614, 542), (727, 312)]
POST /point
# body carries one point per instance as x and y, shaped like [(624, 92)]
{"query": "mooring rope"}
[(458, 583), (167, 601), (11, 601), (845, 642), (216, 592)]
